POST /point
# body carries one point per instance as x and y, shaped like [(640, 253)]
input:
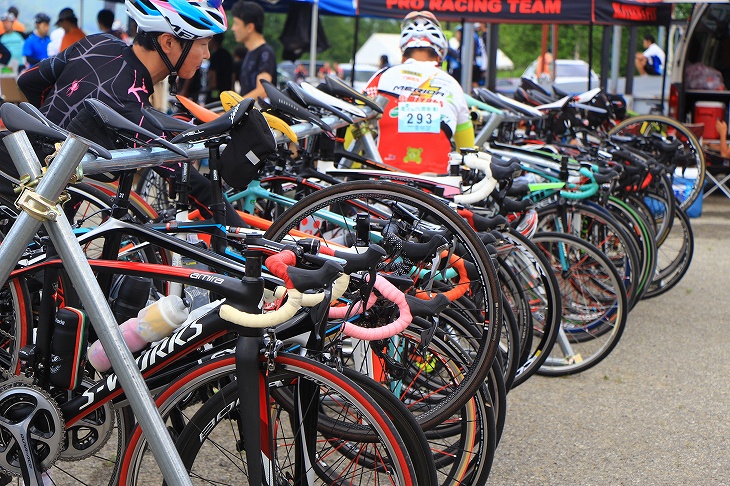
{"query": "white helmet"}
[(182, 18), (421, 29)]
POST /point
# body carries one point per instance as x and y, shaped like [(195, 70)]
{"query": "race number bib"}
[(419, 117)]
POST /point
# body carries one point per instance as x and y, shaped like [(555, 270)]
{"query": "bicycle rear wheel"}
[(594, 300)]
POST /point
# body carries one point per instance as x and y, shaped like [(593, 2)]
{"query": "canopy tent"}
[(389, 44), (601, 12)]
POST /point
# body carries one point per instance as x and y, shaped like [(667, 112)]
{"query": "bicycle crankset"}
[(30, 420)]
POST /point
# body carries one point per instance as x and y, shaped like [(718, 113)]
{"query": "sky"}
[(85, 10)]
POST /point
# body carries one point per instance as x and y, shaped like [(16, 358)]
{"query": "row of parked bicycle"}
[(366, 326)]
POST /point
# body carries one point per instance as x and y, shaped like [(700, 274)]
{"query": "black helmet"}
[(41, 17)]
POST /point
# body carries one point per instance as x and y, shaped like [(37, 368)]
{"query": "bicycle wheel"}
[(594, 304), (674, 256), (154, 189), (596, 226), (535, 276), (213, 434), (413, 213), (648, 125)]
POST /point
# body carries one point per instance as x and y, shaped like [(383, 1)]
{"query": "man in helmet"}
[(426, 107), (172, 40)]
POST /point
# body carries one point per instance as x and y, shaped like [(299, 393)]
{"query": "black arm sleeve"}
[(4, 55), (38, 80)]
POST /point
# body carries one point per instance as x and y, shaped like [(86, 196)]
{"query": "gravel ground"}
[(655, 411)]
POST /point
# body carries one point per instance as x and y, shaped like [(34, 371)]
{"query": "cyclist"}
[(426, 106), (172, 40)]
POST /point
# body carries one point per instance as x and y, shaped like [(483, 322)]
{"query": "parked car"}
[(571, 75), (363, 73)]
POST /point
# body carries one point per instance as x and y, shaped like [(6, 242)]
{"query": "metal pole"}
[(605, 53), (354, 50), (493, 45), (590, 53), (615, 58), (629, 90), (95, 303), (313, 41), (467, 55), (666, 63)]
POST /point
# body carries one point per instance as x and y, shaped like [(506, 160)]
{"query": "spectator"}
[(238, 54), (17, 25), (544, 69), (220, 70), (651, 61), (384, 62), (479, 71), (453, 55), (70, 24), (54, 47), (430, 105), (337, 69), (105, 21), (12, 40), (35, 48), (300, 73), (260, 61), (325, 70), (721, 128)]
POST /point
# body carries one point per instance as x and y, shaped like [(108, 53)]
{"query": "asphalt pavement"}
[(657, 410)]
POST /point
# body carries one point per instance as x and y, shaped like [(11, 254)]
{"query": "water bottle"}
[(68, 346), (152, 323)]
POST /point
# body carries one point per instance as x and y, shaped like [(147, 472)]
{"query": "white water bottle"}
[(152, 323)]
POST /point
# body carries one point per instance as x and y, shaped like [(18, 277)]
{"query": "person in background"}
[(426, 107), (260, 61), (56, 35), (651, 61), (238, 54), (384, 62), (300, 73), (544, 69), (35, 48), (479, 71), (12, 40), (220, 70), (17, 25), (105, 21), (337, 70), (70, 24), (325, 70), (721, 128)]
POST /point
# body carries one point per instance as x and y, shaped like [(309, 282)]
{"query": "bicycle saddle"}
[(305, 99), (332, 100), (31, 120), (531, 85), (217, 127), (337, 87), (201, 113), (165, 122), (559, 92), (280, 101), (500, 101), (113, 120)]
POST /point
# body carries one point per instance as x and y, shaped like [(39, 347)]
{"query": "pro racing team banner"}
[(616, 12)]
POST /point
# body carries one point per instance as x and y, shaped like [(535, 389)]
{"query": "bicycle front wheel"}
[(334, 213), (212, 437)]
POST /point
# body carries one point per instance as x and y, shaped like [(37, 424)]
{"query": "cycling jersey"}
[(102, 66), (425, 108)]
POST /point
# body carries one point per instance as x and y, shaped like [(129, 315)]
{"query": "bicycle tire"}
[(394, 455), (588, 282), (674, 256), (541, 288), (364, 194)]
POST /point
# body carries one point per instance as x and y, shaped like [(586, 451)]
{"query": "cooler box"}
[(708, 112)]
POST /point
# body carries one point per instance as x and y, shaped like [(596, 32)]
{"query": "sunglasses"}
[(424, 14)]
